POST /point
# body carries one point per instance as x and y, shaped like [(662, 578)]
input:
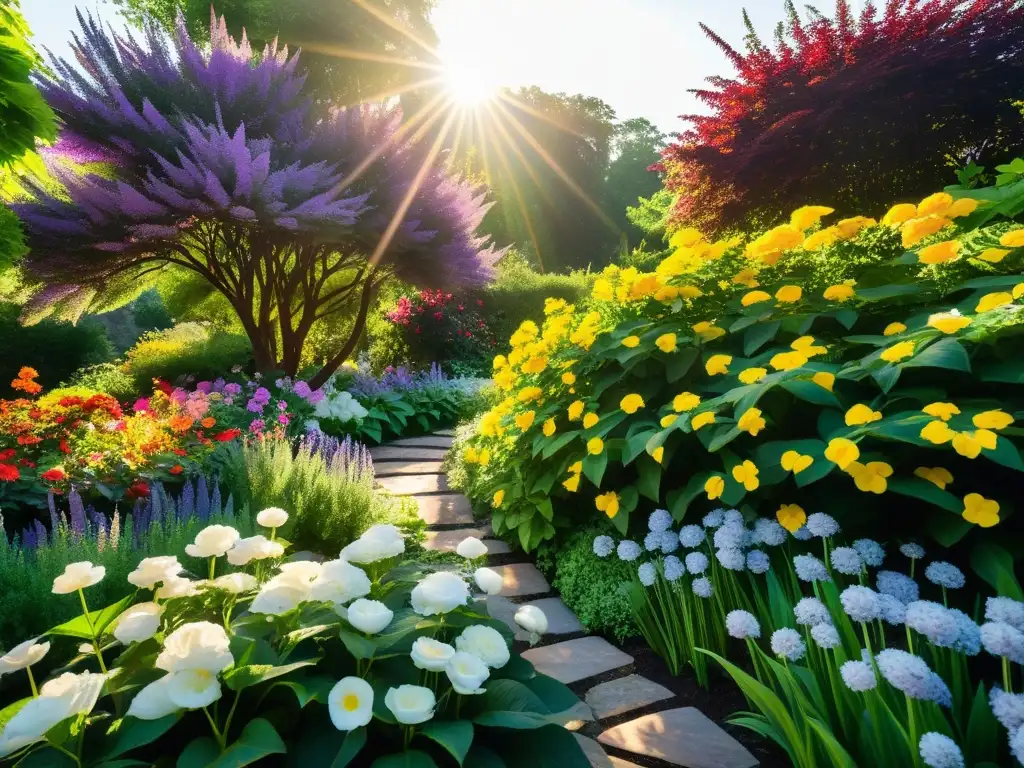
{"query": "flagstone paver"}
[(521, 579), (573, 660), (415, 467), (561, 621), (597, 757), (408, 485), (575, 718), (446, 432), (410, 453), (447, 541), (428, 441), (682, 736), (446, 509), (624, 695)]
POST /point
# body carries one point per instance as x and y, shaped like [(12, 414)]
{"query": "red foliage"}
[(852, 113)]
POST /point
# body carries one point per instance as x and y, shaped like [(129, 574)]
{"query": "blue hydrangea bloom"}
[(1017, 745), (603, 546), (660, 520), (858, 676), (731, 535), (943, 574), (669, 542), (900, 586), (788, 643), (821, 525), (696, 563), (733, 516), (825, 635), (769, 532), (758, 562), (1008, 708), (861, 603), (702, 587), (742, 624), (714, 518), (870, 552), (846, 561), (652, 541), (802, 534), (628, 550), (810, 611), (647, 573), (1006, 610), (911, 675), (1001, 639), (731, 559), (934, 621), (939, 751), (810, 568), (673, 568), (968, 641), (913, 551), (893, 611), (691, 536)]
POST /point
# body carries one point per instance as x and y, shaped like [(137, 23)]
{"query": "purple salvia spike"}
[(76, 510), (215, 501), (187, 501), (202, 498)]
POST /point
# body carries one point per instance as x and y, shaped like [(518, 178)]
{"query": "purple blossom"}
[(257, 425), (254, 406), (261, 395), (232, 389), (302, 389)]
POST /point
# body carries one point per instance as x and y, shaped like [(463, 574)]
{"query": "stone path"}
[(631, 716)]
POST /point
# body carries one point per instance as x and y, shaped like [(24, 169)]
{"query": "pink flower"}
[(282, 418), (141, 405)]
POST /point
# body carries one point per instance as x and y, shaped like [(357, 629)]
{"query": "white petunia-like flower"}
[(858, 676), (1001, 639), (758, 561), (1006, 610), (846, 560), (193, 688), (198, 645), (702, 587), (900, 586), (697, 563), (659, 520), (911, 675), (369, 616), (532, 619), (467, 673), (742, 624), (870, 552), (628, 551), (256, 547), (412, 704), (235, 583), (647, 574), (176, 587), (213, 541), (430, 654), (945, 575), (138, 623), (673, 568), (486, 643), (378, 542), (603, 546), (350, 703), (488, 580), (787, 643), (860, 603), (821, 525), (439, 593), (939, 751), (275, 600), (23, 655), (336, 581), (810, 611), (153, 570), (825, 635), (810, 568), (913, 551), (78, 576), (691, 536), (153, 701), (731, 559), (272, 517), (934, 621), (59, 699), (471, 548)]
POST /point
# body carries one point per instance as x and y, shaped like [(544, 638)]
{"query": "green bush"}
[(187, 349), (111, 378)]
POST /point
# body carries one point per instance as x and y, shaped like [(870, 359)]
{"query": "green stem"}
[(213, 568), (92, 629), (458, 704), (1007, 679), (273, 533), (231, 713), (70, 754), (216, 733), (35, 691)]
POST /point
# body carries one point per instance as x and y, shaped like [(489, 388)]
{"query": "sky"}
[(639, 56)]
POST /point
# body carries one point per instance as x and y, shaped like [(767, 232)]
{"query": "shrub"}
[(186, 350), (843, 111)]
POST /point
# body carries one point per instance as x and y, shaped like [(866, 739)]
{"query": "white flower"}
[(341, 406), (411, 704), (369, 616), (1006, 610), (213, 541), (300, 574), (647, 574), (702, 587), (439, 593), (256, 547), (24, 655), (350, 703), (466, 673), (603, 546), (272, 517), (939, 751), (176, 586), (788, 643), (825, 635), (742, 624), (338, 582), (471, 548), (696, 563), (193, 688), (811, 611), (430, 654), (822, 525), (59, 699), (486, 643), (198, 645), (861, 603), (153, 701), (153, 570), (278, 599), (858, 675), (138, 623), (78, 576), (377, 543), (236, 583), (532, 619), (489, 581)]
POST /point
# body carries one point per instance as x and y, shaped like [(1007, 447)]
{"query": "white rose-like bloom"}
[(378, 542), (235, 583), (489, 581), (277, 599), (467, 673), (339, 582), (430, 654), (300, 573), (350, 703), (213, 541), (439, 593), (198, 645), (138, 623), (153, 570), (78, 576), (23, 655), (486, 643), (193, 688), (59, 699), (256, 547), (411, 704), (153, 701), (369, 616), (532, 619), (471, 548), (273, 517), (176, 587)]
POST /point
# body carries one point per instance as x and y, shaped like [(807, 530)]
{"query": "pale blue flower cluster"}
[(825, 635), (1006, 610), (939, 751), (769, 532), (802, 534), (647, 573), (673, 568), (733, 516), (913, 551), (900, 586), (968, 639), (821, 525), (702, 587), (731, 535), (691, 536), (858, 676), (603, 546), (1008, 708), (846, 560), (742, 624), (810, 611), (697, 563), (946, 575), (912, 675), (788, 643), (860, 603), (731, 559), (669, 542), (758, 562), (893, 611), (714, 518), (1002, 639), (628, 551), (934, 621), (652, 541), (660, 520), (810, 568), (870, 552)]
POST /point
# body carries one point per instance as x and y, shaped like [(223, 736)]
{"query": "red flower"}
[(27, 463), (438, 315), (64, 447), (61, 419), (29, 440), (479, 302), (9, 473), (417, 329), (461, 308), (179, 451), (227, 435), (138, 489), (163, 386), (7, 454), (70, 402), (54, 475), (177, 469)]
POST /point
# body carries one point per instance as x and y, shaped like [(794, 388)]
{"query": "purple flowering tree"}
[(215, 161)]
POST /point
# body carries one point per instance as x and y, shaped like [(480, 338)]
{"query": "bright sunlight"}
[(469, 83)]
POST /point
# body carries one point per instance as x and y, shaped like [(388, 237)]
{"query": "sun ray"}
[(390, 93), (526, 163), (509, 97), (343, 52), (389, 21)]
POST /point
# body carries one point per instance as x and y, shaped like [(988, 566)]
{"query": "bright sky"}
[(639, 56)]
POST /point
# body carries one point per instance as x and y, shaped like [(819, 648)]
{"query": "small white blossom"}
[(696, 563), (858, 676), (821, 525), (647, 574), (603, 546), (788, 643), (742, 624), (628, 551), (702, 587), (825, 635), (939, 751)]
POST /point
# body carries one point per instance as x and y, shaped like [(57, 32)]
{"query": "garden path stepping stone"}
[(625, 694), (412, 453), (521, 579), (593, 752), (573, 660), (405, 485), (447, 509), (446, 432), (392, 468), (447, 541), (561, 621), (683, 736), (426, 441), (575, 718)]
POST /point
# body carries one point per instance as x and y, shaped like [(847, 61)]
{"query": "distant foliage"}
[(850, 112)]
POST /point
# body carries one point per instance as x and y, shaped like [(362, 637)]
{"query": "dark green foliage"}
[(636, 145), (187, 349)]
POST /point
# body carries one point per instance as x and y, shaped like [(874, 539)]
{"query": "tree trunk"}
[(335, 362)]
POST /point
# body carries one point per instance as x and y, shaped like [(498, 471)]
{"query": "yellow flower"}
[(590, 420), (499, 496), (870, 477), (685, 401), (529, 394), (944, 411), (658, 453), (939, 253), (787, 294), (861, 414), (965, 206), (937, 432), (916, 230), (899, 351), (569, 378), (996, 419), (899, 213), (787, 361), (969, 444), (668, 421), (980, 511), (549, 428), (752, 375), (525, 420), (690, 292), (595, 445), (894, 328), (769, 246), (936, 204), (576, 410), (603, 290), (714, 487), (805, 345), (993, 300), (746, 475), (993, 255), (791, 517), (666, 342), (824, 379), (949, 322), (746, 277), (702, 420), (796, 462), (707, 331), (842, 452), (685, 237), (1013, 239), (576, 467), (755, 297), (1018, 290), (809, 215), (608, 503), (821, 238), (631, 341), (505, 379), (847, 228), (471, 455), (631, 403), (500, 362), (938, 476), (718, 364), (751, 421), (842, 292), (535, 364), (485, 457)]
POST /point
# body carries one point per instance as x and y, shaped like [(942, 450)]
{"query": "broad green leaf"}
[(1010, 372), (456, 736), (414, 758), (679, 363), (557, 697), (944, 353), (888, 291), (359, 646), (512, 696), (947, 529), (679, 500), (982, 730), (636, 445), (307, 689), (46, 757), (131, 732), (920, 488), (759, 335), (995, 565), (352, 746), (594, 466), (239, 678), (257, 741), (649, 480), (481, 757), (549, 747), (515, 720), (79, 626), (200, 753), (555, 444), (811, 392), (1005, 453)]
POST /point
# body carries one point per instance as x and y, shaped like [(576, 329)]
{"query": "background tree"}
[(853, 113), (220, 165), (636, 145)]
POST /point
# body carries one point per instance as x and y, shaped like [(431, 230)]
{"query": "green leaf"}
[(554, 445), (886, 377), (200, 753), (481, 757), (515, 720), (945, 353), (679, 363), (307, 689), (1010, 372), (649, 480), (359, 646), (888, 291), (594, 466), (352, 746), (258, 740), (635, 445), (680, 500), (456, 736), (810, 392), (79, 626), (759, 335), (414, 758), (982, 730), (995, 565), (512, 696), (132, 732), (920, 488), (239, 678), (846, 317), (557, 697), (1005, 453), (46, 757), (549, 747), (947, 529)]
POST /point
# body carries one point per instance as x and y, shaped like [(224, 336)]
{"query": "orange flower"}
[(28, 373), (180, 423), (208, 422)]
